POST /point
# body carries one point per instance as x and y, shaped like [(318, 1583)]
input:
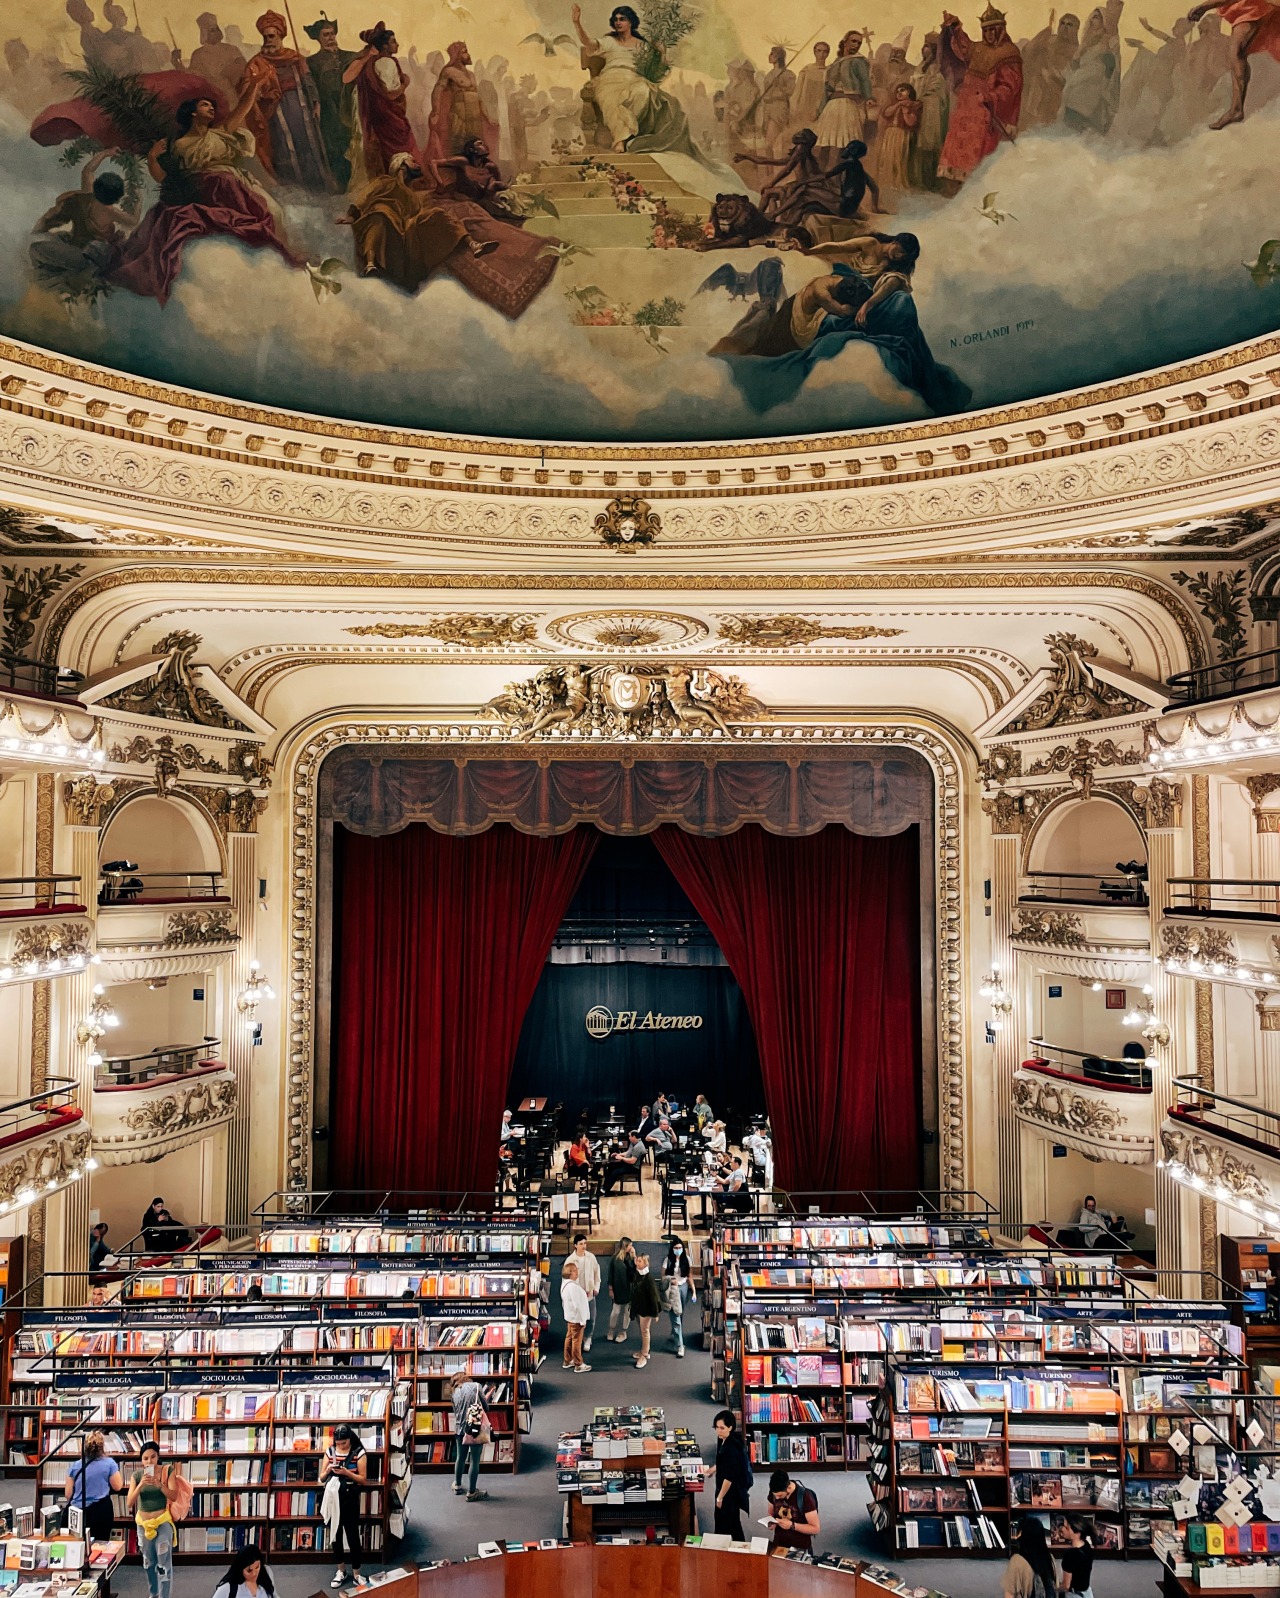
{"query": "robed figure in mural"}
[(206, 190), (380, 83), (641, 117), (986, 79), (285, 116), (336, 97)]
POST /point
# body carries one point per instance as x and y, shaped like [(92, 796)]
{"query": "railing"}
[(19, 895), (1118, 887), (20, 1118), (291, 1207), (903, 1203), (37, 678), (621, 931), (1239, 898), (1094, 1070), (125, 884), (1244, 675), (136, 1070), (1230, 1118)]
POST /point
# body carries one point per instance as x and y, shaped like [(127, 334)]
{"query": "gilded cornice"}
[(197, 467), (27, 369), (634, 580)]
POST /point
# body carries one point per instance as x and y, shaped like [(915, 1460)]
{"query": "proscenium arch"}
[(945, 753)]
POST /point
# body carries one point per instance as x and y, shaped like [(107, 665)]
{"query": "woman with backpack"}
[(1031, 1572), (472, 1431), (734, 1476)]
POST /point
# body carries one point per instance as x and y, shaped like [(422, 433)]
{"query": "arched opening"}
[(161, 836), (1090, 836)]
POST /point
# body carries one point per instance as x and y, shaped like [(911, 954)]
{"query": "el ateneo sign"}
[(602, 1022)]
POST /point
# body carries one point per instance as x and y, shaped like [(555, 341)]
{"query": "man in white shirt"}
[(589, 1281), (576, 1314), (1092, 1223), (759, 1148)]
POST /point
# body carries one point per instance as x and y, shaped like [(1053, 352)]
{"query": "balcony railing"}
[(1245, 675), (1093, 1070), (45, 895), (39, 679), (1113, 888), (1225, 898), (1248, 1125), (160, 1065), (38, 1112), (125, 884)]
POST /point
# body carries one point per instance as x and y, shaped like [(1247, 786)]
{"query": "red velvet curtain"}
[(822, 933), (439, 944)]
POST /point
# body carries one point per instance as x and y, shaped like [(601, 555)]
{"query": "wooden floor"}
[(629, 1214)]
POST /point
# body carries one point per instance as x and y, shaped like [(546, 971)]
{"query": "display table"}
[(618, 1572), (588, 1521), (1183, 1587)]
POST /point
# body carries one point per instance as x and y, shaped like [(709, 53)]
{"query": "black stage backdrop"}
[(557, 1056)]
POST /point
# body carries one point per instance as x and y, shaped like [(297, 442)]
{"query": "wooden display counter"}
[(638, 1572), (587, 1521)]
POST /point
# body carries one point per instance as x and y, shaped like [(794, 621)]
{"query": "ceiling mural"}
[(681, 222)]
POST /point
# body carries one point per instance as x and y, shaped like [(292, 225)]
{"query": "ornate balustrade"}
[(148, 1105), (1224, 1149), (1223, 929), (1101, 941), (162, 924), (44, 929), (1101, 1119)]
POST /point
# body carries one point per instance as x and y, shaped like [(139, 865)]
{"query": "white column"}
[(237, 1049), (1173, 1217)]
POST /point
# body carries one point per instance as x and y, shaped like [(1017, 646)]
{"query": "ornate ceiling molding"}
[(174, 471), (1048, 585)]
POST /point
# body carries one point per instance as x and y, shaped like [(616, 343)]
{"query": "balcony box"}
[(153, 1113), (1100, 1121), (138, 942), (1223, 929), (44, 1143), (1222, 1162), (1100, 943), (44, 929)]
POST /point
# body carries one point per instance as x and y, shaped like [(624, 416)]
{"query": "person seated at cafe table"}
[(625, 1160), (662, 1138), (732, 1182), (648, 1120), (577, 1158), (717, 1143), (662, 1106)]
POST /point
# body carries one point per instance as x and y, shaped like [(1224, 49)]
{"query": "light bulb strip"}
[(1182, 1174), (33, 1193), (59, 753)]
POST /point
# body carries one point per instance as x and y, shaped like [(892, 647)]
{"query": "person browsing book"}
[(90, 1483), (732, 1471), (1077, 1560), (247, 1576), (793, 1509), (346, 1461), (1031, 1572)]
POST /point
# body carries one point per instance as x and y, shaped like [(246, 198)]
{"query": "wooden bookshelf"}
[(250, 1440)]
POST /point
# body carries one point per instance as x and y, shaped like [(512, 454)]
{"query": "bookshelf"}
[(1102, 1416), (250, 1440)]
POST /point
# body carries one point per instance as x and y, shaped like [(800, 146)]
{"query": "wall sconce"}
[(255, 990), (94, 1026), (992, 987), (1142, 1013)]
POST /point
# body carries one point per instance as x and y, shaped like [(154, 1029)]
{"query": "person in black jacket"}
[(621, 1274), (646, 1306), (732, 1472)]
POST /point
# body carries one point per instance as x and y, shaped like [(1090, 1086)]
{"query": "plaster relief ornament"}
[(624, 701), (628, 523), (785, 632), (473, 632), (172, 690), (1074, 694)]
